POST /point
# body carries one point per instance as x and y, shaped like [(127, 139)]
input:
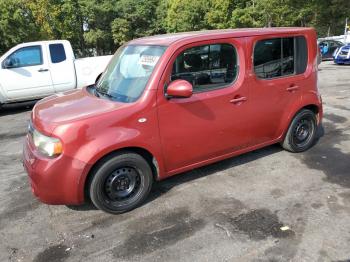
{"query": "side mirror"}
[(8, 63), (179, 88)]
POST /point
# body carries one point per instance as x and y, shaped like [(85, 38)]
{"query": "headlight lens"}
[(48, 146)]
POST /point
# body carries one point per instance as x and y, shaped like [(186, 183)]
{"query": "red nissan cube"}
[(170, 103)]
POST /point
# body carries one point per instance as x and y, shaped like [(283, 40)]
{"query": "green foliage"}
[(100, 26), (186, 15), (98, 16), (135, 18), (220, 13), (16, 24)]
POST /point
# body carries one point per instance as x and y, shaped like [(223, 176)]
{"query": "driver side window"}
[(26, 56), (206, 67)]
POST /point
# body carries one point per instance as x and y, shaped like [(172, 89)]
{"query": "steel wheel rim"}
[(122, 184), (303, 132)]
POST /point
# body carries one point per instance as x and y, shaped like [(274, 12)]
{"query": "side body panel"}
[(207, 124), (270, 113), (62, 73), (310, 95), (91, 138), (88, 69), (271, 97), (27, 82)]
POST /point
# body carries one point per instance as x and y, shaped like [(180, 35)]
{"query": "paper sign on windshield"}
[(148, 60)]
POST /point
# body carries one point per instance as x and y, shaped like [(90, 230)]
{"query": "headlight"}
[(48, 146)]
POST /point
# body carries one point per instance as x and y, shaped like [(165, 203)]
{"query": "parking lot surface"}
[(267, 205)]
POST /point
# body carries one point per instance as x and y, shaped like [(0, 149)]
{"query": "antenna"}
[(346, 31)]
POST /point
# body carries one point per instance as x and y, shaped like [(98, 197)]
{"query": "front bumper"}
[(54, 180), (340, 60)]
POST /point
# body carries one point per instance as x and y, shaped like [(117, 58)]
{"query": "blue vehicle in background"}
[(327, 48), (342, 55)]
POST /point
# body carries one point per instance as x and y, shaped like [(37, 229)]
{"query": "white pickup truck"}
[(34, 70)]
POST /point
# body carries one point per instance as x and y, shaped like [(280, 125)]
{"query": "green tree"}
[(16, 24), (136, 18), (186, 15), (98, 16), (100, 26), (219, 14), (56, 19), (330, 15)]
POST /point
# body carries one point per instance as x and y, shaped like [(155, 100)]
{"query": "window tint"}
[(288, 56), (26, 56), (339, 43), (206, 67), (57, 53), (267, 58), (301, 55), (280, 57)]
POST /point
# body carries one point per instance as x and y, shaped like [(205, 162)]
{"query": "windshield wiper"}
[(98, 93)]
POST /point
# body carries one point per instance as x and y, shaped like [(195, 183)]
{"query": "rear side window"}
[(288, 56), (206, 67), (279, 57), (57, 53)]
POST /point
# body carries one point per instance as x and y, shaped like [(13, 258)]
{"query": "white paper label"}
[(148, 60)]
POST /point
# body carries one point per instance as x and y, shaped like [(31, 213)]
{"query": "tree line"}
[(101, 26)]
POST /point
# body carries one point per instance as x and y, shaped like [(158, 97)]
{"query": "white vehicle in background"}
[(35, 70)]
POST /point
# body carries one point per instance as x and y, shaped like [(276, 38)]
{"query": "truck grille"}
[(344, 52)]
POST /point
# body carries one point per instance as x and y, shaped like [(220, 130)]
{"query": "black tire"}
[(301, 132), (120, 183)]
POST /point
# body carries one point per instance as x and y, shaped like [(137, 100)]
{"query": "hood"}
[(71, 106)]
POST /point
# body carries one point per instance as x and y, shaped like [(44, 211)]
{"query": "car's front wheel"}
[(302, 132), (120, 183)]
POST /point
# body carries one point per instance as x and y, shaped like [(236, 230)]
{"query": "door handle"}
[(43, 70), (292, 88), (238, 100)]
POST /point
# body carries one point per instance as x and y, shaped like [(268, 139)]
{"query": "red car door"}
[(214, 121), (278, 75)]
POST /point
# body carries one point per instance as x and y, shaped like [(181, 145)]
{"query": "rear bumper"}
[(54, 180)]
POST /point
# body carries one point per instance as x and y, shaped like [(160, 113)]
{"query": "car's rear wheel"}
[(302, 132), (121, 183)]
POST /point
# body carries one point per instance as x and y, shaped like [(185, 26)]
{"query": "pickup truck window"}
[(206, 67), (26, 56), (280, 57), (57, 53), (128, 72)]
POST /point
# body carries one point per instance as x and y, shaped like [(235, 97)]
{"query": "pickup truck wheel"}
[(301, 133), (121, 183)]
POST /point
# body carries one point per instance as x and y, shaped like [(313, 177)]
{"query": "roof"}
[(43, 42), (168, 39)]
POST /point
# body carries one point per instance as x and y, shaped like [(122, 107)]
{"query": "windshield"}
[(128, 72)]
